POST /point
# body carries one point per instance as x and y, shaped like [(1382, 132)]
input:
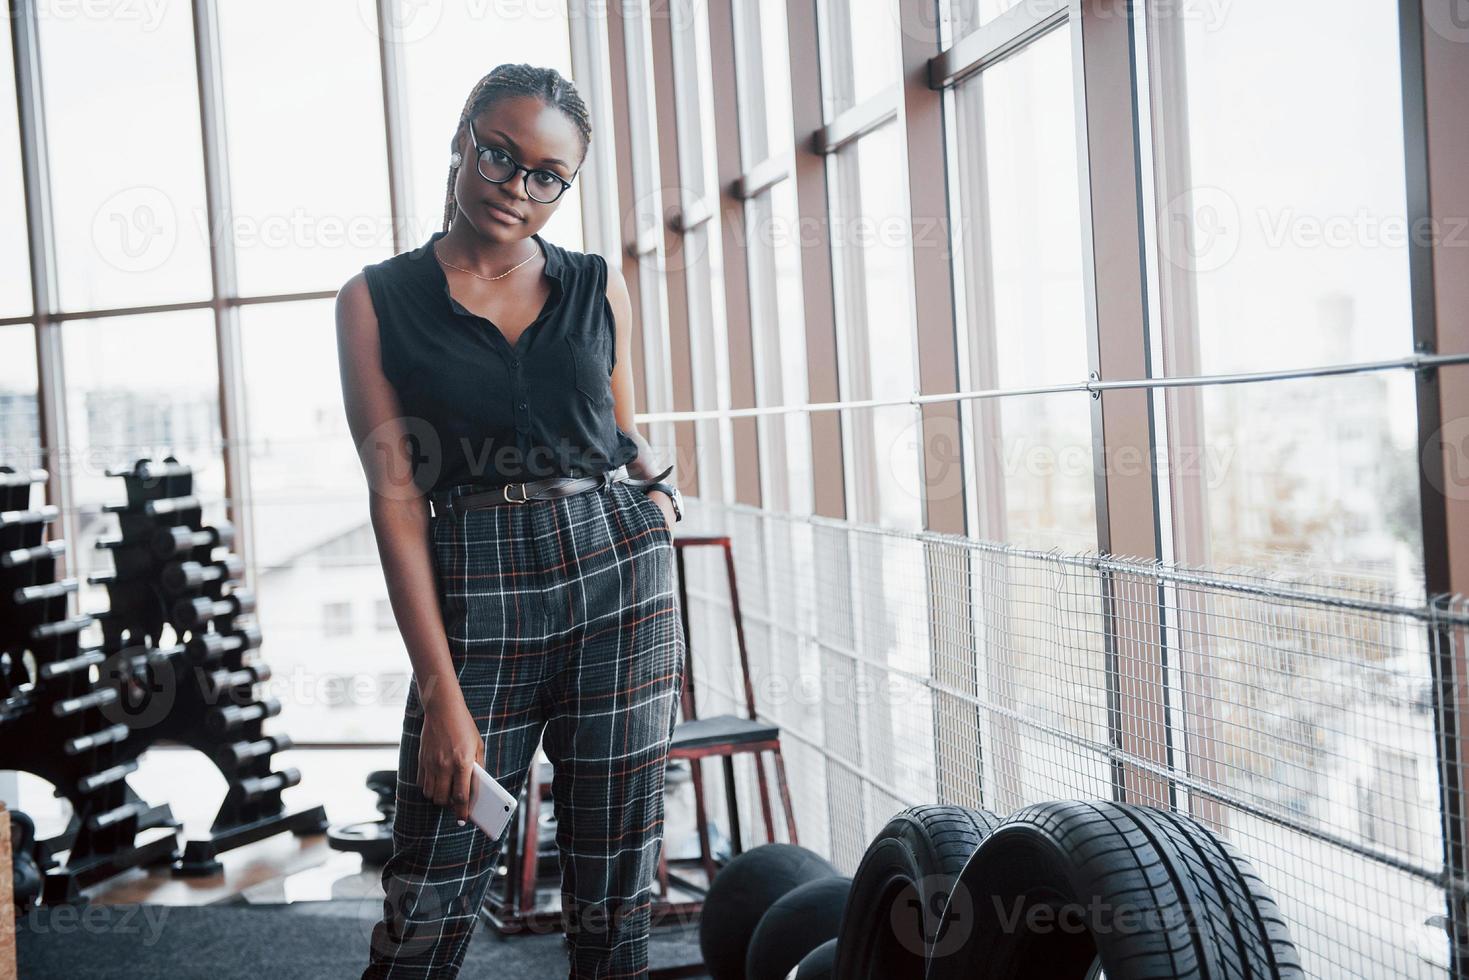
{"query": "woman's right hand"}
[(451, 742)]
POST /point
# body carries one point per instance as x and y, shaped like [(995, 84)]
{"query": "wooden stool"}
[(723, 736)]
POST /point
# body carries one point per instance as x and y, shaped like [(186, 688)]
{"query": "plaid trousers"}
[(561, 617)]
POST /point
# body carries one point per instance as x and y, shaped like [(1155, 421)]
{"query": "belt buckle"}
[(505, 493)]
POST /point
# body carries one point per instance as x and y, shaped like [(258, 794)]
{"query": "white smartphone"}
[(490, 804)]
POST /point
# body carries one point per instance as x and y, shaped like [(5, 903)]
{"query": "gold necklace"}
[(476, 274)]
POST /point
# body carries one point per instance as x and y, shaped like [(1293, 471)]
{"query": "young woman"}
[(526, 542)]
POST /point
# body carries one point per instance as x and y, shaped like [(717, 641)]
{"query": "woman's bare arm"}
[(400, 517), (624, 401)]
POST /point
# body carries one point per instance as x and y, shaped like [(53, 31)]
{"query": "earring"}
[(455, 158)]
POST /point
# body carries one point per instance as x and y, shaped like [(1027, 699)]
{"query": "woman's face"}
[(535, 135)]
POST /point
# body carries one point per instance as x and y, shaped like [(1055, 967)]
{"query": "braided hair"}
[(505, 80)]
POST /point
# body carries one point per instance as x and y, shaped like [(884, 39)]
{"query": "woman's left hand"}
[(665, 504)]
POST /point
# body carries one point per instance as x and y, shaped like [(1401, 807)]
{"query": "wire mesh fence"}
[(1314, 725)]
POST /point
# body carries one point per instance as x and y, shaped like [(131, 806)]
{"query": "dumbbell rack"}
[(199, 690), (59, 715)]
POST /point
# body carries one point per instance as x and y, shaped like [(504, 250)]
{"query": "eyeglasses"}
[(497, 166)]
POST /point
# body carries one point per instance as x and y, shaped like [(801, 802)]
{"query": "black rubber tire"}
[(891, 918), (740, 895), (795, 924), (818, 964), (1151, 893)]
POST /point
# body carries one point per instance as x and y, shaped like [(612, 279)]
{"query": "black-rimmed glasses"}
[(497, 166)]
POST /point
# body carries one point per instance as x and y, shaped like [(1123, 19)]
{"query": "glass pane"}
[(1022, 218), (308, 160), (20, 420), (1313, 475), (1024, 312), (790, 344), (779, 347), (1283, 233), (878, 329), (1043, 473), (861, 53), (138, 386), (122, 120), (775, 60), (339, 666), (448, 48), (967, 15), (15, 287)]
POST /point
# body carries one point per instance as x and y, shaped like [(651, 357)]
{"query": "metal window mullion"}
[(817, 289), (995, 39), (1179, 414), (646, 211), (762, 176), (738, 91), (676, 286), (233, 416), (843, 205), (852, 347), (701, 250), (977, 356), (978, 339), (748, 212), (831, 57), (766, 352), (1117, 345), (624, 94), (932, 262), (1435, 74), (591, 66), (54, 432), (393, 73), (739, 37), (850, 125), (1178, 319), (932, 294)]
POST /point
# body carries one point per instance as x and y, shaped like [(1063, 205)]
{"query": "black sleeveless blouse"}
[(479, 410)]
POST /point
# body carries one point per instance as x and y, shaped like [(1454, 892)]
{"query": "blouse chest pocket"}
[(589, 370)]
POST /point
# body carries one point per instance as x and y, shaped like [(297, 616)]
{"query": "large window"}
[(446, 48), (302, 164), (773, 248), (1283, 244), (860, 57), (122, 121), (15, 289), (307, 168), (143, 386), (1024, 310), (20, 422), (315, 564), (871, 243)]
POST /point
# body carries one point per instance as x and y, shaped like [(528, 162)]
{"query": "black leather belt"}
[(444, 502)]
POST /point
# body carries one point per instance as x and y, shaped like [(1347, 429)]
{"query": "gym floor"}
[(289, 906)]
